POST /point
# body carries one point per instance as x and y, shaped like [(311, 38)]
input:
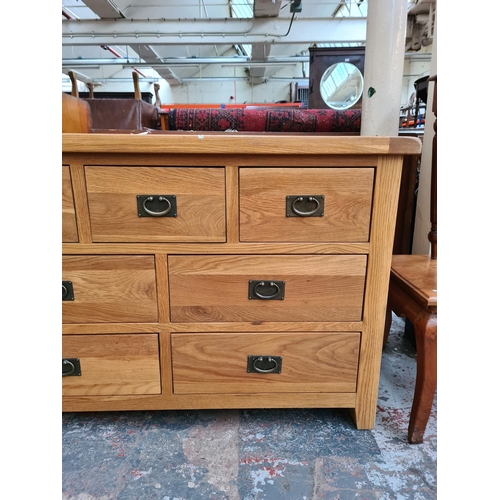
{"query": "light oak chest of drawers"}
[(226, 270)]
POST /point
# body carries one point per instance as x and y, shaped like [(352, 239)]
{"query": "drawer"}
[(109, 289), (305, 204), (195, 201), (306, 287), (112, 365), (69, 230), (219, 363)]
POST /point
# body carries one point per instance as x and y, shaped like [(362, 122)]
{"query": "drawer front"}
[(109, 289), (305, 204), (195, 204), (219, 363), (313, 287), (69, 230), (112, 365)]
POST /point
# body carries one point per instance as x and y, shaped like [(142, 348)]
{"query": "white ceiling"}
[(179, 37)]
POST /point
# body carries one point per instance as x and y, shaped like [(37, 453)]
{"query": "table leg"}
[(425, 325)]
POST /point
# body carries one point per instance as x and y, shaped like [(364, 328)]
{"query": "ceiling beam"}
[(266, 8), (263, 8), (259, 51), (150, 56), (104, 9), (213, 31)]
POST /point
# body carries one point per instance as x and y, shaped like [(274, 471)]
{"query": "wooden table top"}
[(417, 275)]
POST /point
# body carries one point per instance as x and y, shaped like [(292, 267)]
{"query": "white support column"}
[(384, 62)]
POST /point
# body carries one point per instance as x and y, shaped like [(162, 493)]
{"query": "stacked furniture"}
[(117, 114), (226, 270)]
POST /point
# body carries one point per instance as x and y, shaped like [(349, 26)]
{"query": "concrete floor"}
[(298, 454)]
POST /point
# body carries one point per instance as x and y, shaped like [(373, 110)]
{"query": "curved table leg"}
[(425, 325)]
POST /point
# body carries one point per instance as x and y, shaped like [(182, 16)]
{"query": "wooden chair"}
[(413, 294)]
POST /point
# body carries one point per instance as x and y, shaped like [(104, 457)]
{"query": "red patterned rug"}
[(265, 120)]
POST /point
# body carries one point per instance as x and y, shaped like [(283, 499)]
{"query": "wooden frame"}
[(231, 152)]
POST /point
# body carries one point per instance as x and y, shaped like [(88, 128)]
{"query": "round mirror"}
[(341, 86)]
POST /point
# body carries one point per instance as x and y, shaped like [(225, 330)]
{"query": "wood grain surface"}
[(69, 230), (241, 143), (113, 364), (385, 203), (317, 288), (347, 204), (163, 402), (110, 288), (218, 248), (257, 326), (417, 275), (311, 362), (200, 195)]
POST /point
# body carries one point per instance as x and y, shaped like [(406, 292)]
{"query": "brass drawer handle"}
[(145, 204), (293, 203), (71, 367), (153, 213), (257, 287), (67, 291), (268, 364), (305, 214), (272, 285)]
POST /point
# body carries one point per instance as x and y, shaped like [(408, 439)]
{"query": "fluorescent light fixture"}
[(81, 77), (82, 66), (187, 61), (215, 79), (257, 64), (242, 79), (117, 80)]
